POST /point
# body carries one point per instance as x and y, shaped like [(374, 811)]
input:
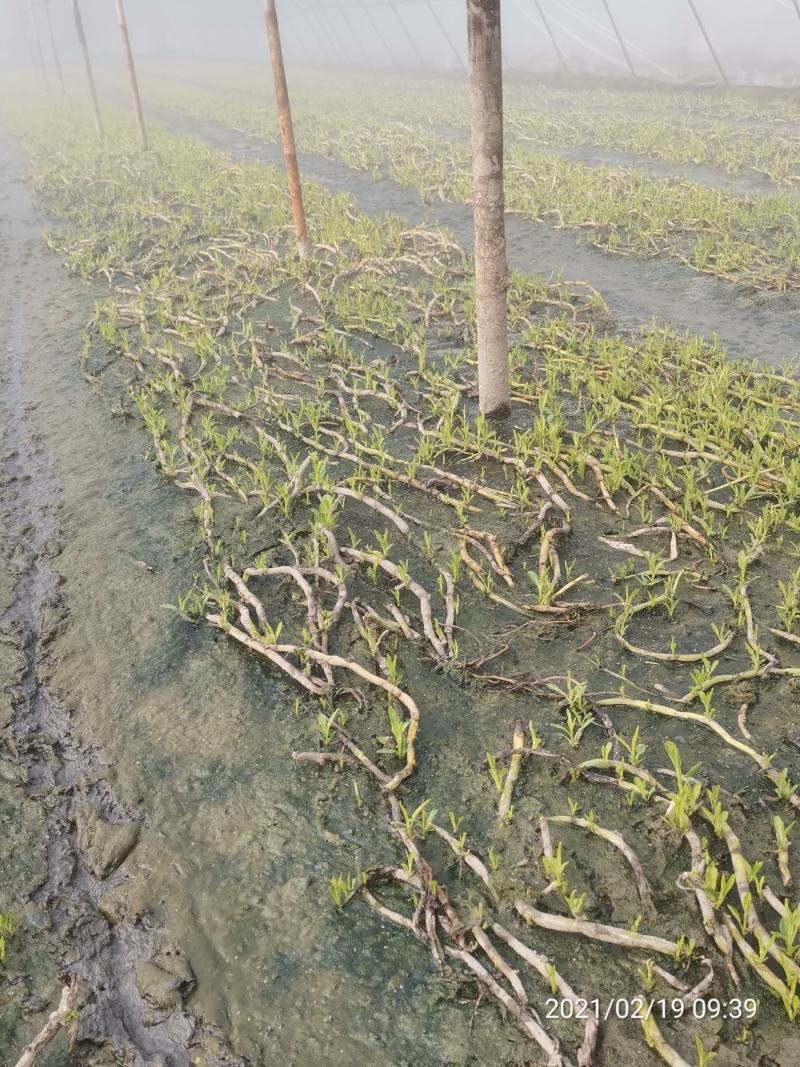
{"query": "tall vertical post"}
[(134, 85), (98, 123), (491, 269), (711, 48), (56, 60), (552, 36), (625, 52), (287, 129)]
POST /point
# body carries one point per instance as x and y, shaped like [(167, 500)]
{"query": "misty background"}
[(758, 41)]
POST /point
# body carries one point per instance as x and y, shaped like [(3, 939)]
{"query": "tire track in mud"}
[(89, 831), (762, 325)]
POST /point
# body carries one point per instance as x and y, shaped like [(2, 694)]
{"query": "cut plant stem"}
[(612, 935), (504, 806)]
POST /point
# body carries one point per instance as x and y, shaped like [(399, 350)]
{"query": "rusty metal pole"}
[(56, 60), (552, 37), (491, 269), (625, 52), (287, 130), (98, 122), (134, 85), (711, 48)]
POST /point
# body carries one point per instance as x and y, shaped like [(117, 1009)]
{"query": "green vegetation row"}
[(684, 137), (748, 240), (542, 619)]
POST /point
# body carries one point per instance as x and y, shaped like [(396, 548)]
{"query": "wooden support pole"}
[(98, 122), (287, 129), (484, 51), (707, 39), (443, 28), (56, 60), (625, 52), (552, 37), (134, 85)]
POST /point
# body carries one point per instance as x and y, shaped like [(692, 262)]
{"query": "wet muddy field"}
[(163, 845), (751, 325), (159, 840)]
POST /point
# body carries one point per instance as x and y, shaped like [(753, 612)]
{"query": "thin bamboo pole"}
[(622, 46), (707, 39), (134, 85), (56, 59), (98, 122), (491, 269), (552, 37), (287, 129)]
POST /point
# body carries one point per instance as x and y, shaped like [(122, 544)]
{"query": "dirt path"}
[(86, 832)]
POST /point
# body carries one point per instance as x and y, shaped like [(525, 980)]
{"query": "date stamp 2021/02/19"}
[(656, 1008)]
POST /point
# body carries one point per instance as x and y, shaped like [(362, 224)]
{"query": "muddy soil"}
[(178, 861), (79, 833), (762, 326), (219, 904)]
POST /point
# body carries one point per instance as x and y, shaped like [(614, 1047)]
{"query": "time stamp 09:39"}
[(657, 1008)]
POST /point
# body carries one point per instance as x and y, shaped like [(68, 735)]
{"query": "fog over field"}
[(757, 41)]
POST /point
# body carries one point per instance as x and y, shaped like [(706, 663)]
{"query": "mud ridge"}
[(68, 780)]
